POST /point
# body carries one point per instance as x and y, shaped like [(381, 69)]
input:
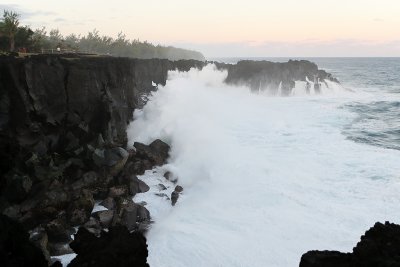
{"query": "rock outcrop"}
[(379, 246), (63, 122), (117, 247), (16, 250), (266, 75)]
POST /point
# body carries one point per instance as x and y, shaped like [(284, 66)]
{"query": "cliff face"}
[(49, 103), (266, 75)]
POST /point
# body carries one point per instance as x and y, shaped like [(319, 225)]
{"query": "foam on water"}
[(265, 178)]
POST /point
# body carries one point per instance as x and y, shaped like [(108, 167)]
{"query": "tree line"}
[(14, 37)]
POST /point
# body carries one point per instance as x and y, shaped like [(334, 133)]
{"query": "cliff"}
[(63, 121), (266, 75)]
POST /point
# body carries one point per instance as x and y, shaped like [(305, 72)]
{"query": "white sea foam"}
[(265, 178)]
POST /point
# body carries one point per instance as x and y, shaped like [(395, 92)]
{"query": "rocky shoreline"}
[(63, 149)]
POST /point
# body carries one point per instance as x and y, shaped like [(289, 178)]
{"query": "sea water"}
[(267, 178)]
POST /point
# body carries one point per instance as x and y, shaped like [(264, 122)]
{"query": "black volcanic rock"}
[(117, 247), (15, 248), (379, 247), (266, 75)]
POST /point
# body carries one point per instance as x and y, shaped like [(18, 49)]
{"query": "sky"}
[(231, 28)]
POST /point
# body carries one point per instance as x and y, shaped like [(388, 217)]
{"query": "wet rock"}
[(13, 212), (117, 247), (133, 215), (15, 247), (109, 203), (170, 177), (326, 259), (105, 217), (156, 152), (58, 249), (379, 246), (174, 197), (114, 158), (162, 195), (17, 187), (93, 226), (179, 189), (161, 187), (80, 209), (58, 232), (39, 238), (118, 191), (137, 186)]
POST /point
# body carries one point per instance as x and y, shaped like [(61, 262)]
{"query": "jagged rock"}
[(115, 158), (174, 197), (117, 247), (266, 75), (170, 177), (58, 232), (93, 226), (17, 187), (80, 209), (118, 191), (109, 203), (162, 195), (13, 212), (161, 187), (134, 214), (40, 239), (156, 152), (137, 186), (178, 188), (105, 217), (379, 246), (15, 248), (58, 249)]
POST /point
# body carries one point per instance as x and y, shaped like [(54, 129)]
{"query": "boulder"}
[(379, 246), (118, 191), (80, 208), (174, 197), (17, 187), (105, 217), (109, 203), (178, 188), (58, 231), (157, 152), (137, 186), (93, 226), (133, 215), (16, 250), (117, 247)]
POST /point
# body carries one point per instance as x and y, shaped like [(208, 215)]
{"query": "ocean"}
[(267, 178)]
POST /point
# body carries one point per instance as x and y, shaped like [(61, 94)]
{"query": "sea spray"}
[(266, 178)]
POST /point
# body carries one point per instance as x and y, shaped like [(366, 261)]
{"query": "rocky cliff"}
[(270, 76), (63, 121)]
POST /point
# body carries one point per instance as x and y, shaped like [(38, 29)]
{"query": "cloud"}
[(378, 20), (26, 13)]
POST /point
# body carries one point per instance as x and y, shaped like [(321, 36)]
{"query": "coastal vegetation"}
[(21, 38)]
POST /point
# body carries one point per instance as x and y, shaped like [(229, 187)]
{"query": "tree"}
[(10, 26)]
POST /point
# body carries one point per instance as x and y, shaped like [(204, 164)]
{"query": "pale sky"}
[(229, 28)]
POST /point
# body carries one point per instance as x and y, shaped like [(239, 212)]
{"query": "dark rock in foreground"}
[(15, 248), (379, 247), (117, 247)]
